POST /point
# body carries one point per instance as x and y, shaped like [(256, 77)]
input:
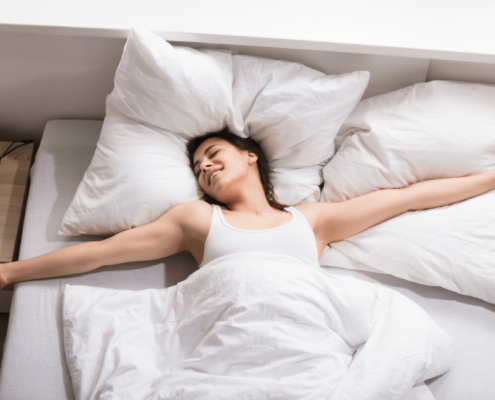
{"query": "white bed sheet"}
[(34, 364)]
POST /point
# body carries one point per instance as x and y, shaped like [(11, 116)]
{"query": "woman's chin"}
[(220, 194)]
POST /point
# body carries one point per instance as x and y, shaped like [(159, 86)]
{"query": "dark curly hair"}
[(241, 144)]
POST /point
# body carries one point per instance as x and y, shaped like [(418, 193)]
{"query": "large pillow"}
[(136, 174), (165, 95), (294, 113), (162, 96), (179, 89), (426, 131)]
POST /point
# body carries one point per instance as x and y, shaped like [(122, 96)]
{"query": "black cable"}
[(7, 152)]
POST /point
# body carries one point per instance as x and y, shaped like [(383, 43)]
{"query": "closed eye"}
[(199, 171)]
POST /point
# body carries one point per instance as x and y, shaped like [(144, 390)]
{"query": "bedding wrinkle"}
[(254, 325)]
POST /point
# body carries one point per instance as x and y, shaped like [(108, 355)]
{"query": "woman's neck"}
[(255, 204)]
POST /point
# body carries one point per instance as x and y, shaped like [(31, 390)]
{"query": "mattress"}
[(34, 365)]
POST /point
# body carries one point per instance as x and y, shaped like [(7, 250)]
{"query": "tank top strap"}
[(299, 214), (216, 220), (215, 216)]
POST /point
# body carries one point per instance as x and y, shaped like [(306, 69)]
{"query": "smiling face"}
[(221, 168)]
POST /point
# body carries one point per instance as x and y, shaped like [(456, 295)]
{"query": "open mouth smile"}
[(212, 175)]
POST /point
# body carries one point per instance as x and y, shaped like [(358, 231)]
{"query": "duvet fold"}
[(252, 326)]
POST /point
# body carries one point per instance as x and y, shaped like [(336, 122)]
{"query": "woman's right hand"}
[(3, 278)]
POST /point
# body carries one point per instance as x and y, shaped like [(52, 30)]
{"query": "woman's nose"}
[(206, 166)]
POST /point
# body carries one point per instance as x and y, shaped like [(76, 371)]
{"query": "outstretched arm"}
[(158, 239), (338, 221), (440, 192)]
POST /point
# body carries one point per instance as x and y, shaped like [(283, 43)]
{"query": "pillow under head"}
[(178, 89), (294, 113), (165, 95), (162, 96), (136, 174)]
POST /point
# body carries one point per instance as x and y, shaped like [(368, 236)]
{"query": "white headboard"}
[(58, 57), (388, 73)]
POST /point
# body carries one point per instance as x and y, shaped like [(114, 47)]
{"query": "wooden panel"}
[(14, 174), (4, 323), (6, 300)]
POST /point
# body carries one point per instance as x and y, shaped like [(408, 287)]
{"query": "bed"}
[(34, 365)]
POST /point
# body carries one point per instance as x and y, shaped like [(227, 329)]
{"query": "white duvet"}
[(252, 326)]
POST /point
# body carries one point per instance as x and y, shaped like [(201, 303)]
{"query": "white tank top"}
[(295, 238)]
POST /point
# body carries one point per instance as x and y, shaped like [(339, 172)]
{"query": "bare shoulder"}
[(191, 206), (194, 217)]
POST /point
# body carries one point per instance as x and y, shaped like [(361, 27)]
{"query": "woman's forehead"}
[(207, 143)]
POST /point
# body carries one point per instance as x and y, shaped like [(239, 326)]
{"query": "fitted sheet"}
[(34, 365)]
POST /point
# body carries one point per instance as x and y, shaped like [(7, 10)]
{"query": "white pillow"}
[(136, 174), (294, 113), (426, 131), (165, 95), (140, 169), (179, 89)]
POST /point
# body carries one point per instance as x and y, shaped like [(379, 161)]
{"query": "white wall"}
[(43, 77)]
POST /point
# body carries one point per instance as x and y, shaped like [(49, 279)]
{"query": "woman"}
[(233, 173)]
